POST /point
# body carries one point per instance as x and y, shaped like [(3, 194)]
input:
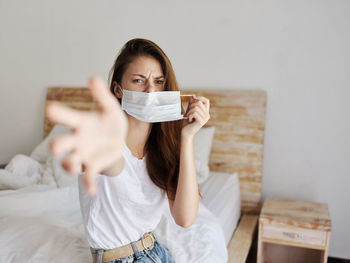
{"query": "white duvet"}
[(40, 220)]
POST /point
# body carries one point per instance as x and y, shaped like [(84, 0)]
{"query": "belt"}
[(146, 242)]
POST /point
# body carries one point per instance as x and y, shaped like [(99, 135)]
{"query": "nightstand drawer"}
[(295, 235)]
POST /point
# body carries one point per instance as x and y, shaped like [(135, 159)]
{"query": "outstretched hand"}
[(97, 138)]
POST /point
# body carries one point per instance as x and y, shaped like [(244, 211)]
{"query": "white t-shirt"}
[(125, 207)]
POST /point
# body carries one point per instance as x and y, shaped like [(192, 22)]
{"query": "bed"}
[(45, 214)]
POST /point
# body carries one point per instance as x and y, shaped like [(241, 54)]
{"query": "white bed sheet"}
[(221, 195), (42, 223)]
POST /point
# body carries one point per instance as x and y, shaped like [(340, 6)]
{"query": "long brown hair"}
[(163, 145)]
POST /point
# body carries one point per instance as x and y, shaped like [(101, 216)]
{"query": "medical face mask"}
[(158, 106)]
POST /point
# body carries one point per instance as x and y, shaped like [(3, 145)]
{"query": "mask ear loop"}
[(120, 88)]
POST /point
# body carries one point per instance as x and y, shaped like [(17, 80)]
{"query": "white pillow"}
[(202, 147), (42, 151)]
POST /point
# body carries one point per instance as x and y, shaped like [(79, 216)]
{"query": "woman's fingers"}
[(96, 142), (205, 101), (199, 107), (63, 144), (198, 117), (72, 163), (58, 113), (190, 102), (102, 95), (199, 101), (89, 179), (195, 114), (198, 104)]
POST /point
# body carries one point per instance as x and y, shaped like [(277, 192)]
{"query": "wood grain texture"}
[(291, 230), (302, 214), (239, 118), (242, 239), (293, 235)]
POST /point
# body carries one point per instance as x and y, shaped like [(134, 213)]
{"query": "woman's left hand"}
[(197, 115)]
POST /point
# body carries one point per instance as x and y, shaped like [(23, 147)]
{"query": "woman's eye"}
[(138, 80), (160, 81)]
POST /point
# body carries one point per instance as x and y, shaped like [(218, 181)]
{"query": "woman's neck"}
[(137, 136)]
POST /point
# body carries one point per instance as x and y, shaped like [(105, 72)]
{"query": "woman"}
[(134, 160)]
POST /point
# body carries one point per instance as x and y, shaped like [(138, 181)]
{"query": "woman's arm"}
[(184, 208)]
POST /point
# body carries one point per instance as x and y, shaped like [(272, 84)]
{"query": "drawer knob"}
[(293, 235)]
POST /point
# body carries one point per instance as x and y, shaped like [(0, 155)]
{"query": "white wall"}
[(297, 50)]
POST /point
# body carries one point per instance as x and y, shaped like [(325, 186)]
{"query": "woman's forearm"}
[(185, 206)]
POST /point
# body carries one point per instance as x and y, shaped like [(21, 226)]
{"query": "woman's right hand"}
[(96, 142)]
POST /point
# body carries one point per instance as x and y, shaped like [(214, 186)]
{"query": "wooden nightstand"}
[(293, 231)]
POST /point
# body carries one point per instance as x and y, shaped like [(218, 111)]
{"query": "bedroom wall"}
[(298, 51)]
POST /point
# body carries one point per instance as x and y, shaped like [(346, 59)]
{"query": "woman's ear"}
[(117, 90)]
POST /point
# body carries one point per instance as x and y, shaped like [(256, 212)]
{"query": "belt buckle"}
[(144, 237)]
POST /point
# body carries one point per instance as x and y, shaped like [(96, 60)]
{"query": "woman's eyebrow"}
[(142, 76)]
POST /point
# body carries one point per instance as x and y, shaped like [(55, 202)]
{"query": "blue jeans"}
[(158, 254)]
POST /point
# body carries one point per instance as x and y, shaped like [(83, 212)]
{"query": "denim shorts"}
[(158, 254)]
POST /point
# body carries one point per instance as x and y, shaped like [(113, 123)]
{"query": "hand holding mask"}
[(197, 115)]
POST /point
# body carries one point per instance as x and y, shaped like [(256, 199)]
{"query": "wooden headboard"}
[(239, 118)]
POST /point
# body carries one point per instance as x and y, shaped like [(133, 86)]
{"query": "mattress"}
[(221, 195)]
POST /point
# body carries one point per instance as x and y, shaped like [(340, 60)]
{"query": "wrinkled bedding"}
[(40, 220)]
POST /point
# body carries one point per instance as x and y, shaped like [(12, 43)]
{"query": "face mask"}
[(158, 106)]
